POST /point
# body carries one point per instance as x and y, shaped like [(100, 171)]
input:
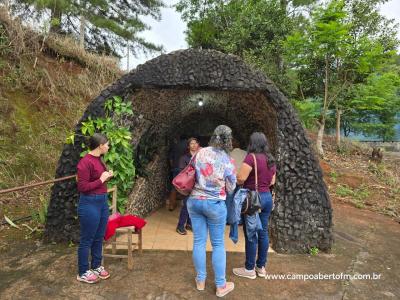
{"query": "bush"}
[(119, 158)]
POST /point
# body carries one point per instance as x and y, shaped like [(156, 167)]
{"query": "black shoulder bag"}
[(252, 203)]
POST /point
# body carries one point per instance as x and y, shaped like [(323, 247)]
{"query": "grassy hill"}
[(46, 82)]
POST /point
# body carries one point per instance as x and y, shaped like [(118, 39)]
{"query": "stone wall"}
[(165, 93)]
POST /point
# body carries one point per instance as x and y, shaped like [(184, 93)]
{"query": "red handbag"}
[(185, 180)]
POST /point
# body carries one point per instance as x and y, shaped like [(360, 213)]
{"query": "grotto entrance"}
[(166, 93), (155, 144)]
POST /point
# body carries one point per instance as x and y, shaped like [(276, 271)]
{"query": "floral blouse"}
[(215, 174)]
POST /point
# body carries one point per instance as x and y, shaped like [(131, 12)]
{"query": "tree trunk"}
[(82, 33), (321, 129), (56, 14), (7, 6), (127, 57), (338, 116), (320, 137), (284, 4)]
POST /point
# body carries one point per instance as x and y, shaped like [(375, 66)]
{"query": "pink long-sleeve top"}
[(90, 169)]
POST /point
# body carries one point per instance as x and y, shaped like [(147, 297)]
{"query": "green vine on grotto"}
[(119, 157)]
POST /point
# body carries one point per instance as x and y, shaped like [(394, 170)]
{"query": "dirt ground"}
[(365, 242)]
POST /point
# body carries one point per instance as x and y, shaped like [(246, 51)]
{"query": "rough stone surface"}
[(165, 92)]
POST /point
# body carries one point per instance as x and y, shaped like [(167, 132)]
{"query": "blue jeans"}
[(184, 218), (208, 215), (93, 218), (262, 243)]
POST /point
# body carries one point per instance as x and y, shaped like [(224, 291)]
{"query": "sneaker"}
[(181, 231), (88, 277), (188, 227), (221, 292), (200, 285), (261, 272), (101, 272), (242, 272)]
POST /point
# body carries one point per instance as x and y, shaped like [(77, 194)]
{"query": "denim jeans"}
[(262, 243), (208, 215), (93, 218), (184, 216)]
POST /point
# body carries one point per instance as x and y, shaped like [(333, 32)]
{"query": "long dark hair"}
[(96, 140), (259, 144)]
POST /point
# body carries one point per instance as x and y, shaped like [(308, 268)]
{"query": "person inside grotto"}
[(178, 148), (184, 222)]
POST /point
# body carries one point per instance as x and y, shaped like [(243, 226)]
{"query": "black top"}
[(184, 160)]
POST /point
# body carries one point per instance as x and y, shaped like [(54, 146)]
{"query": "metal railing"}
[(15, 189)]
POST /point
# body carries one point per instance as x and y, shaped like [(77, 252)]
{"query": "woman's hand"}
[(106, 176)]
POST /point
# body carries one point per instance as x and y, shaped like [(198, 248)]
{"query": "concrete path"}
[(159, 234)]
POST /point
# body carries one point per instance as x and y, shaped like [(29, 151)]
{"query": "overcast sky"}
[(170, 31)]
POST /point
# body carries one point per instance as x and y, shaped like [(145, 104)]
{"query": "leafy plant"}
[(358, 195), (40, 215), (309, 111), (333, 176), (314, 251), (344, 191), (119, 158)]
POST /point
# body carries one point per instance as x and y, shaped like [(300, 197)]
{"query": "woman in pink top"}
[(92, 209)]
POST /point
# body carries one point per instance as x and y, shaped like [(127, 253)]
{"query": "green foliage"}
[(376, 104), (333, 176), (109, 24), (5, 44), (309, 111), (344, 191), (358, 195), (334, 55), (253, 30), (314, 251), (119, 157), (40, 214)]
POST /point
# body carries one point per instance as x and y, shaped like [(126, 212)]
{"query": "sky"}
[(170, 31)]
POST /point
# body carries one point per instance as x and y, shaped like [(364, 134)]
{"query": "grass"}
[(39, 105), (358, 196), (334, 176)]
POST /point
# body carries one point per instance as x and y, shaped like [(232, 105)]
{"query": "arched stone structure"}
[(165, 92)]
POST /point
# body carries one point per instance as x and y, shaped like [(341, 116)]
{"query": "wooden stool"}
[(129, 231)]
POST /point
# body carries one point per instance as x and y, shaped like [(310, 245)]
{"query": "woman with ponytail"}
[(92, 209)]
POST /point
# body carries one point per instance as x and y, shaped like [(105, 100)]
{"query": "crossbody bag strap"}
[(255, 170)]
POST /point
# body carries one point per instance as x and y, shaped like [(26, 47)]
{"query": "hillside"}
[(45, 85)]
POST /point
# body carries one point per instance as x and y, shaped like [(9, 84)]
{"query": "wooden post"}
[(130, 250)]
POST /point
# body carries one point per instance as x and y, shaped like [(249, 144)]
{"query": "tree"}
[(342, 50), (376, 105), (253, 30), (322, 45), (108, 24)]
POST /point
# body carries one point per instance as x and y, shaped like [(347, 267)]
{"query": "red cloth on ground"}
[(117, 220)]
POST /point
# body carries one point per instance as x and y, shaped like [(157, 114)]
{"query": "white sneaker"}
[(242, 272), (88, 277), (261, 272)]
